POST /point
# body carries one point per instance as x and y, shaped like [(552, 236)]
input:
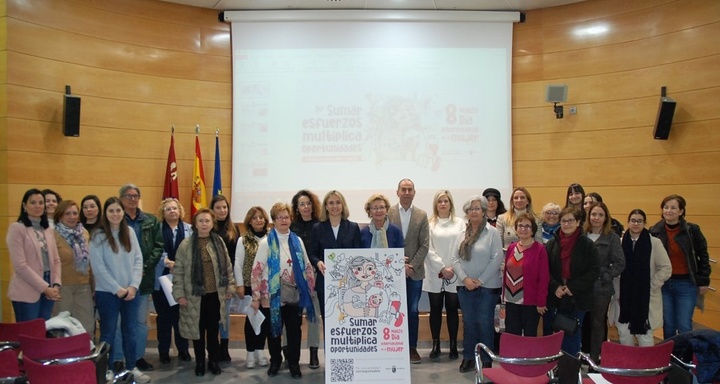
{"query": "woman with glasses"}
[(549, 221), (574, 268), (380, 233), (333, 231), (306, 212), (525, 280), (611, 260), (440, 281), (687, 248), (647, 267), (521, 203), (282, 280), (476, 263), (174, 231)]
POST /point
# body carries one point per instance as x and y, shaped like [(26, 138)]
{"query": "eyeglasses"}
[(552, 213), (131, 197), (282, 218), (169, 209), (568, 221), (524, 226), (475, 209), (634, 221), (305, 204), (378, 208)]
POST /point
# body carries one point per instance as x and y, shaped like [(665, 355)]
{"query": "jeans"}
[(141, 332), (679, 297), (414, 291), (478, 309), (570, 344), (109, 307), (41, 309)]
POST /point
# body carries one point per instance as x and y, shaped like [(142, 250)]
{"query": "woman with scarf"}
[(256, 222), (496, 207), (574, 268), (476, 263), (687, 248), (230, 234), (521, 203), (612, 262), (306, 209), (35, 282), (174, 231), (283, 280), (379, 233), (440, 282), (203, 281), (549, 221), (72, 244), (90, 214), (647, 267)]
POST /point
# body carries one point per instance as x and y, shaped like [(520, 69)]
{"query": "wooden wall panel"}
[(614, 80)]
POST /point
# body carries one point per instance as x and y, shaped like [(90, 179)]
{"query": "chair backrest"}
[(80, 372), (55, 348), (616, 355), (11, 331), (528, 347), (9, 366)]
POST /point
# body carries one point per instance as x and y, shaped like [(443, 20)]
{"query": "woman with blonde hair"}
[(73, 247), (549, 221), (521, 203), (440, 281), (380, 233), (174, 231)]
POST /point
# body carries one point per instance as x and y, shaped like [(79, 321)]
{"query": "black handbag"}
[(566, 323)]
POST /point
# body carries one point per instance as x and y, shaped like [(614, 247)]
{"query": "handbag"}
[(289, 294), (566, 323)]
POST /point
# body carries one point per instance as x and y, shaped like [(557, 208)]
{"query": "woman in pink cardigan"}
[(525, 281), (35, 283)]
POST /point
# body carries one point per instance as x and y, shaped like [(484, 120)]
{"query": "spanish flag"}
[(199, 197)]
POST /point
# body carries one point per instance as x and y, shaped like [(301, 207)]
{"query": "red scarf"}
[(567, 244)]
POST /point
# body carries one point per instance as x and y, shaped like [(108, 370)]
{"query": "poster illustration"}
[(366, 335)]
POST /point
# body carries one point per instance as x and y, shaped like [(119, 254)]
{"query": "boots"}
[(314, 360), (467, 365), (224, 353), (453, 350), (435, 353)]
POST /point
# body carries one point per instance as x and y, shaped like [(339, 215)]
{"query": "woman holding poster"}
[(477, 265), (380, 233), (282, 279)]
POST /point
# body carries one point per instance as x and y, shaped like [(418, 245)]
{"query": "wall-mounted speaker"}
[(664, 119), (556, 93), (71, 116)]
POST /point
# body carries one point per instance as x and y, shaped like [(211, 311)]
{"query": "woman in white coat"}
[(440, 282), (647, 267)]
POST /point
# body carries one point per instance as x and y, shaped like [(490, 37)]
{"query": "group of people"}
[(574, 262)]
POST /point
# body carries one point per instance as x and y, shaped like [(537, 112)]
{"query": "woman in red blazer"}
[(35, 283)]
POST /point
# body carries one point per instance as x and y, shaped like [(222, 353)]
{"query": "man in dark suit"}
[(415, 227)]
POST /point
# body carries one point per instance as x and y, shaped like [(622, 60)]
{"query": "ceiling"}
[(473, 5)]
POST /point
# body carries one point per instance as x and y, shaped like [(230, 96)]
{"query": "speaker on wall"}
[(556, 93), (71, 115), (663, 122)]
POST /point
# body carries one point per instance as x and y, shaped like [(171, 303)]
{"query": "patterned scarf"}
[(251, 246), (548, 231), (635, 283), (379, 236), (299, 272), (198, 273), (76, 240)]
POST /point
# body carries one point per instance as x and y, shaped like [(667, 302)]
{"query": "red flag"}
[(199, 199), (171, 173)]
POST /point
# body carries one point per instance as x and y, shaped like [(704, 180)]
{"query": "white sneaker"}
[(140, 377), (250, 361), (260, 355)]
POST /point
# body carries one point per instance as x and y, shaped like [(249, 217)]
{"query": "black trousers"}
[(252, 341), (168, 322), (521, 319), (209, 326), (451, 304), (291, 318)]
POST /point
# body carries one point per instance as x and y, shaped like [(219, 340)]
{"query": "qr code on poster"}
[(342, 370)]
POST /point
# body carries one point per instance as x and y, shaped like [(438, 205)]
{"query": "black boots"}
[(200, 368), (214, 368), (314, 360), (435, 353), (467, 365), (453, 350), (224, 353)]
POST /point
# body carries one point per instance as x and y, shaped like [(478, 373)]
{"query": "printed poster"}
[(366, 334)]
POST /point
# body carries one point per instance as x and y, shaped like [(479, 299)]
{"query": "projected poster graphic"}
[(366, 335)]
